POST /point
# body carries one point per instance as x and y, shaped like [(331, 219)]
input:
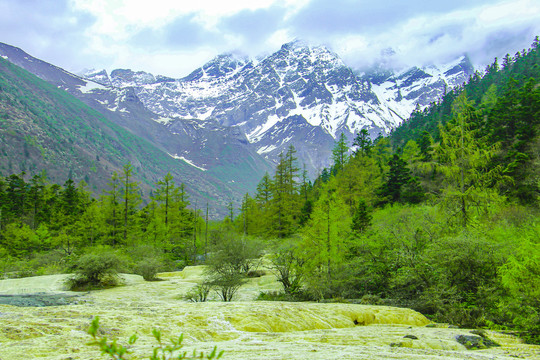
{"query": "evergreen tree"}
[(36, 198), (398, 176), (362, 218), (363, 143), (425, 142), (16, 194)]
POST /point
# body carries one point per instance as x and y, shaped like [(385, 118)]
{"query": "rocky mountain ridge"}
[(308, 86)]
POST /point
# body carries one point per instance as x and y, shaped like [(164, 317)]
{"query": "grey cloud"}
[(254, 26), (322, 17), (46, 29), (182, 33), (503, 41)]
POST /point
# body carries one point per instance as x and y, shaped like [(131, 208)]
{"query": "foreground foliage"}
[(161, 352)]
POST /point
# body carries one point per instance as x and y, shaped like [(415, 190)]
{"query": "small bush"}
[(148, 268), (95, 270), (370, 299), (198, 293), (297, 296)]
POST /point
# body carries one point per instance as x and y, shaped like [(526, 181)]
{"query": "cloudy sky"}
[(173, 37)]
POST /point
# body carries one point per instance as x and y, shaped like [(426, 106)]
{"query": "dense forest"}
[(441, 216)]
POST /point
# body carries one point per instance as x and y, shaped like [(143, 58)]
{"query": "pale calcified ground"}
[(245, 329)]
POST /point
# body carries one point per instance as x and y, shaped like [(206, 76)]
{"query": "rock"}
[(473, 342), (410, 337)]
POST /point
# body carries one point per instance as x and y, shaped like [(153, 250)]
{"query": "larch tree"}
[(325, 237), (465, 161), (131, 198), (340, 153), (111, 207)]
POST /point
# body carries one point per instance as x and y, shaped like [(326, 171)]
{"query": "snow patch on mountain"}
[(186, 161), (90, 86)]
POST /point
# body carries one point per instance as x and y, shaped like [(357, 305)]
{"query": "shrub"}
[(198, 293), (95, 270), (297, 296), (225, 283), (148, 268)]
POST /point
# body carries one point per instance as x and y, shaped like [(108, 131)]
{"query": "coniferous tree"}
[(131, 199), (16, 194), (324, 245), (398, 176), (362, 217), (464, 159), (285, 204), (112, 210), (340, 154), (363, 143), (264, 190), (163, 194), (425, 143), (36, 199)]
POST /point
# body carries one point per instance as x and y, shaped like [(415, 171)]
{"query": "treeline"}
[(37, 216)]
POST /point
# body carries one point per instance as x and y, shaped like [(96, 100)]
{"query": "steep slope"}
[(403, 91), (43, 128), (222, 153)]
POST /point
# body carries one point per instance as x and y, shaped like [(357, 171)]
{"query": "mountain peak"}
[(98, 76), (295, 44), (126, 77)]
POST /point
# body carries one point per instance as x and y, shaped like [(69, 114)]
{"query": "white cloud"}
[(173, 37)]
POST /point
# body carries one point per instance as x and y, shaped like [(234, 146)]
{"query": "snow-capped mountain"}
[(403, 91), (301, 95)]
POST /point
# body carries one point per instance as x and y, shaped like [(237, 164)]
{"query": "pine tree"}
[(362, 218), (363, 143)]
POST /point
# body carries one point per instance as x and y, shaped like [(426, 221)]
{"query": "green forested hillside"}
[(45, 129)]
